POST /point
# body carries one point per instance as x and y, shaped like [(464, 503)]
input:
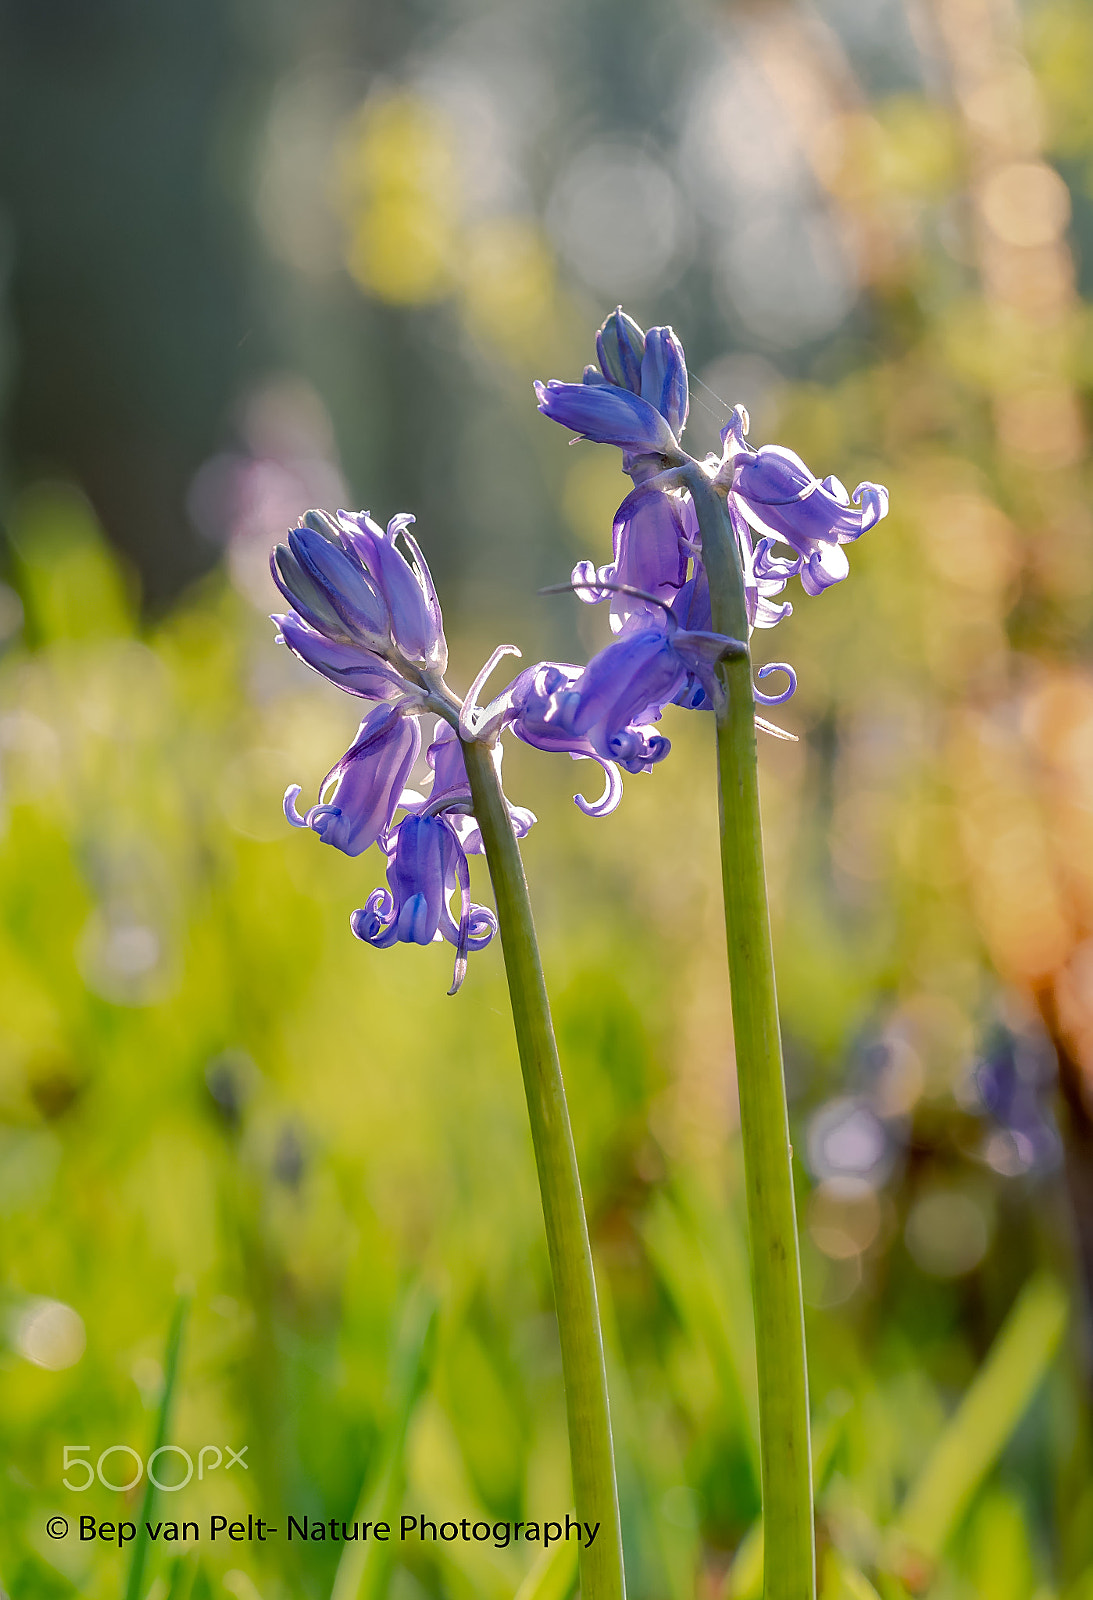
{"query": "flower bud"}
[(664, 377), (345, 585), (620, 345)]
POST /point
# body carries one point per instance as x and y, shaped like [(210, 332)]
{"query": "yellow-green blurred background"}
[(258, 256)]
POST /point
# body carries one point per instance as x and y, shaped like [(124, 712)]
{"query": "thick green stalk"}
[(788, 1540), (594, 1490)]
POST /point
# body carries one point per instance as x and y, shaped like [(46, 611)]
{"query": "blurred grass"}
[(203, 1074)]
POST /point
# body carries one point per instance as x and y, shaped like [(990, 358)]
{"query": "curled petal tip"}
[(292, 794), (612, 792), (786, 694), (582, 580), (873, 499)]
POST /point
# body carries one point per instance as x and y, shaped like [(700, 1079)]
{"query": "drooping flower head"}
[(365, 615), (638, 391), (784, 502)]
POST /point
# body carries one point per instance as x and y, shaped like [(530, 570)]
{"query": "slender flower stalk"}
[(786, 1462), (591, 1453)]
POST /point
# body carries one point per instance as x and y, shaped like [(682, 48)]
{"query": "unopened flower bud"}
[(620, 345)]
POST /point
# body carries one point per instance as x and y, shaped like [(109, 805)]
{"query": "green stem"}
[(594, 1491), (788, 1540)]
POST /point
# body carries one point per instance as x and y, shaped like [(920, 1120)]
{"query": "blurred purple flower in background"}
[(1014, 1085)]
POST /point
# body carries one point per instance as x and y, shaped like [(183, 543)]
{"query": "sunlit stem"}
[(594, 1490), (788, 1539)]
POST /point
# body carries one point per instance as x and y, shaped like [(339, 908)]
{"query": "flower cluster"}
[(637, 399), (364, 613)]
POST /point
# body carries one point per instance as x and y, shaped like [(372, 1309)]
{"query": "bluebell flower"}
[(782, 500), (366, 616), (656, 537), (417, 626), (606, 710), (349, 582), (651, 365), (426, 866), (770, 491), (541, 716), (368, 782), (651, 549), (638, 399)]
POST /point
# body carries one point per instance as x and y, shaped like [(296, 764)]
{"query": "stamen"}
[(775, 731), (463, 876)]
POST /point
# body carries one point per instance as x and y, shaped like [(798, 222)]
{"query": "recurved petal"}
[(377, 921), (822, 569)]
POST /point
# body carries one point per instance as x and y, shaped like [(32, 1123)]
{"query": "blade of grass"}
[(163, 1421), (985, 1418), (843, 1581), (553, 1575), (365, 1567), (181, 1583), (744, 1579), (713, 1302)]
